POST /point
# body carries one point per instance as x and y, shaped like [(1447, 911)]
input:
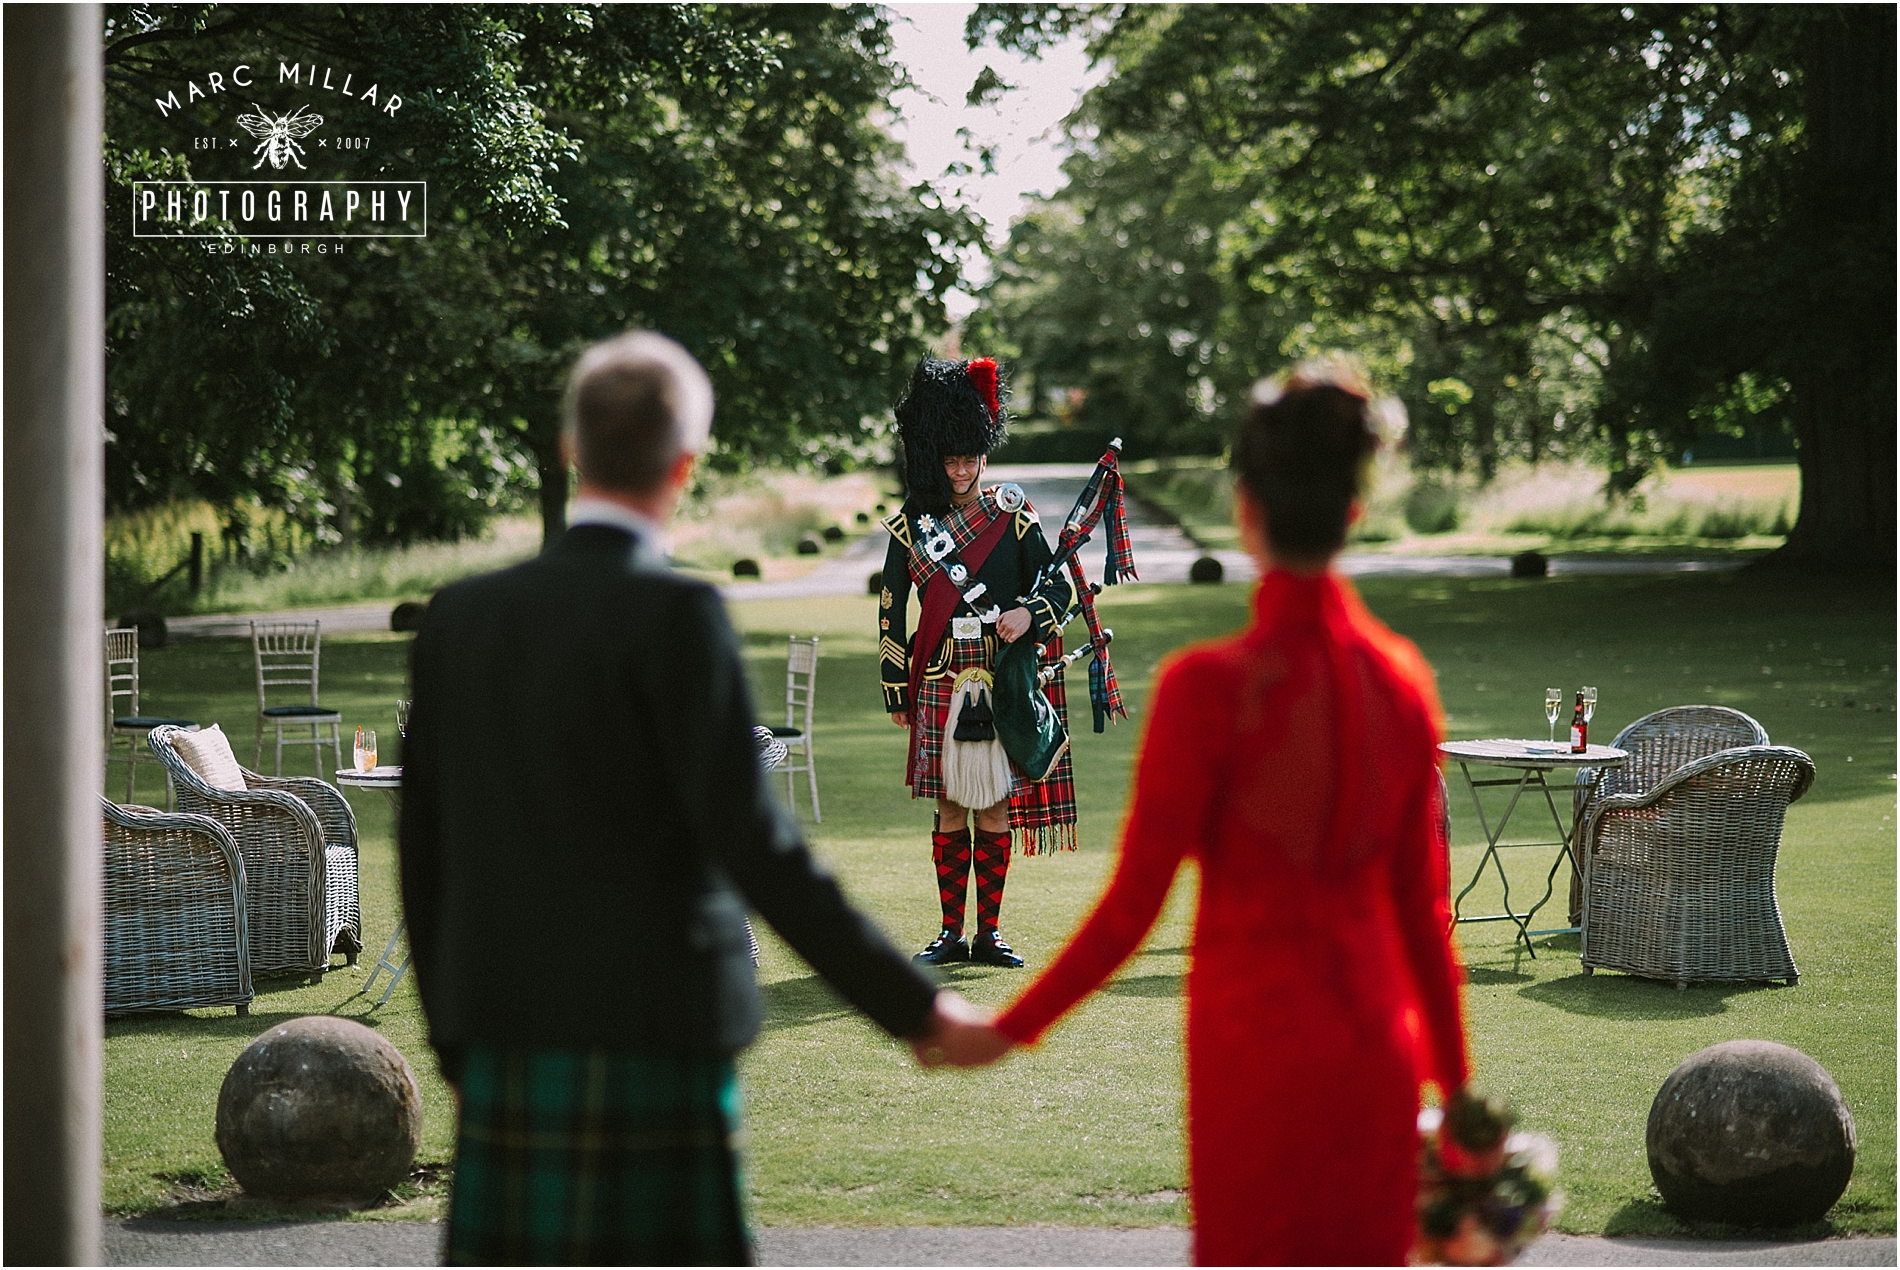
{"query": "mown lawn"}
[(1087, 1130)]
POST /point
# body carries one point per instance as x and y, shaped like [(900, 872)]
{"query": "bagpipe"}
[(1027, 725), (1101, 501)]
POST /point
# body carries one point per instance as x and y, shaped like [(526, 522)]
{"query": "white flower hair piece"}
[(1338, 370), (1385, 414), (1389, 420)]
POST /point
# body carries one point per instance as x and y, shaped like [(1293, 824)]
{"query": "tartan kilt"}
[(1042, 813), (933, 708), (590, 1157)]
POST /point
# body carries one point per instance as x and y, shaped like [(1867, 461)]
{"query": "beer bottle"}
[(1579, 727)]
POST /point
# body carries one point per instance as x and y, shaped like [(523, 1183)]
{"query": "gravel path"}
[(1162, 554), (336, 620), (396, 1243)]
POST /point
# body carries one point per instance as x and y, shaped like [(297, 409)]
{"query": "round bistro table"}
[(389, 780), (1532, 760)]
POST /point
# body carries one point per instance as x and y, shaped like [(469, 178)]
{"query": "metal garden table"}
[(1531, 760), (389, 780)]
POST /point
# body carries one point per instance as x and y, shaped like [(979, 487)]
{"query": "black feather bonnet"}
[(949, 408)]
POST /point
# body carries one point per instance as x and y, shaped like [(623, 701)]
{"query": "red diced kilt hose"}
[(1041, 813)]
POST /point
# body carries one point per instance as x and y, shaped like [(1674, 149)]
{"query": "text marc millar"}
[(241, 76)]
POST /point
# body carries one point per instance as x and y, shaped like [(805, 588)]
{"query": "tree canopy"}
[(1553, 229), (715, 172)]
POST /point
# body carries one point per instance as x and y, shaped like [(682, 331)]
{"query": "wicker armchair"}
[(1658, 744), (297, 837), (1679, 882), (176, 936)]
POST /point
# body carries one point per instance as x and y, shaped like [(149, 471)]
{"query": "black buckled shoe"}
[(943, 950), (988, 949)]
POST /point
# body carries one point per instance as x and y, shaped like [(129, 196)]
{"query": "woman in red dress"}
[(1295, 763)]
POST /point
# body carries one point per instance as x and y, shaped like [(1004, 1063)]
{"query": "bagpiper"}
[(976, 557)]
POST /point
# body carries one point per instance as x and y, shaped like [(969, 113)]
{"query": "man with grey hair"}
[(580, 777)]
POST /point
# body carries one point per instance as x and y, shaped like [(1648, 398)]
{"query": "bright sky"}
[(1023, 125)]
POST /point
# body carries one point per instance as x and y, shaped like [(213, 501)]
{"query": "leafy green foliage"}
[(758, 221), (712, 172), (1559, 230)]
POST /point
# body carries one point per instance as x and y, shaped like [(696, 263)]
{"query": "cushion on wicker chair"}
[(297, 712), (150, 721), (209, 754)]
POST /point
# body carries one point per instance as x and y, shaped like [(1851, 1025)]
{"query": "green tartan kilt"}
[(588, 1157)]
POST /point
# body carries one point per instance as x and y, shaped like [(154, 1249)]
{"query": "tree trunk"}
[(544, 439), (1845, 439), (345, 518), (1844, 405), (553, 495)]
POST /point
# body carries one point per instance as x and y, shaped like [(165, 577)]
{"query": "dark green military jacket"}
[(1010, 574)]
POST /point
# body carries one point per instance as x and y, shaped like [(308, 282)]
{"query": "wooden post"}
[(54, 516), (197, 562)]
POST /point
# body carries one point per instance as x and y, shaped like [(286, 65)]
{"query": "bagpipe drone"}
[(1027, 725)]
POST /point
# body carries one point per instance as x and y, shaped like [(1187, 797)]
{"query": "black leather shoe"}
[(943, 950), (988, 949)]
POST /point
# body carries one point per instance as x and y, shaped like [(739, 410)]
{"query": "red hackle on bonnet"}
[(982, 373)]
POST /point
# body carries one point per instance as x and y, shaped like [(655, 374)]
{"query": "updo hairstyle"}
[(1303, 454)]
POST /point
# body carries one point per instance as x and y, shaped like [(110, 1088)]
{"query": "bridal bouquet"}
[(1484, 1193)]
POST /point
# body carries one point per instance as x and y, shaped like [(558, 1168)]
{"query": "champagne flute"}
[(1553, 706), (402, 717), (365, 749), (1589, 702)]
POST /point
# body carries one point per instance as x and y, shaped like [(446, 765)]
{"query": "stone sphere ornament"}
[(1751, 1133), (321, 1109), (1530, 564)]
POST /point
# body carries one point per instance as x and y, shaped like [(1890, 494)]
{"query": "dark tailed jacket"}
[(1010, 572), (584, 819)]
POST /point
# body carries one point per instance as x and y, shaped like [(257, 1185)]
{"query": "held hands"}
[(958, 1035), (1012, 625)]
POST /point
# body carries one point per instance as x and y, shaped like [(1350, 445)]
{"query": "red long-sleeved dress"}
[(1295, 762)]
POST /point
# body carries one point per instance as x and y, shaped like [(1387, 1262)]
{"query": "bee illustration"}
[(280, 133)]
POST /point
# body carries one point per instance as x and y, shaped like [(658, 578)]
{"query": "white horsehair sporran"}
[(976, 771)]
